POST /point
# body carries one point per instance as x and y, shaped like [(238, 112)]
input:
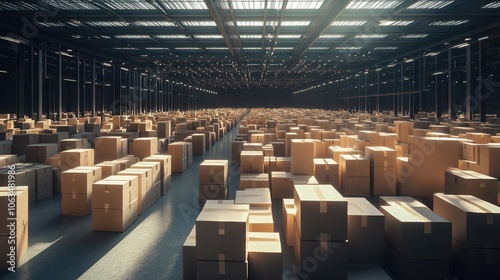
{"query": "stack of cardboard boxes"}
[(213, 181), (146, 195), (472, 183), (476, 227), (179, 153), (114, 203), (153, 193), (321, 230), (382, 170), (76, 189), (166, 171), (354, 175), (76, 157), (108, 148), (260, 216), (145, 147)]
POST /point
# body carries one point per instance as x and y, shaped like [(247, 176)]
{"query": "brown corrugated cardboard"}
[(254, 180), (108, 148), (79, 180), (105, 219), (73, 143), (177, 150), (77, 157), (417, 232), (330, 257), (476, 223), (221, 270), (115, 192), (145, 147), (326, 171), (356, 186), (151, 165), (395, 200), (472, 183), (76, 204), (260, 219), (381, 156), (222, 229), (23, 178), (320, 210), (354, 165), (108, 168), (252, 162), (213, 172), (264, 256), (365, 231), (281, 184), (189, 256), (302, 154), (145, 183), (211, 192), (470, 151), (383, 180), (258, 197)]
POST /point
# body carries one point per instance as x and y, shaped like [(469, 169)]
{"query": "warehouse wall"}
[(253, 98)]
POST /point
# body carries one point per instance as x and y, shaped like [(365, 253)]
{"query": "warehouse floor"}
[(67, 248)]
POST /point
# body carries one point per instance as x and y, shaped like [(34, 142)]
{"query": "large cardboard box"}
[(331, 257), (145, 184), (189, 256), (383, 180), (470, 182), (73, 143), (264, 256), (417, 232), (222, 232), (326, 171), (38, 153), (260, 219), (236, 148), (166, 170), (221, 270), (321, 212), (23, 178), (126, 162), (77, 157), (470, 151), (145, 147), (20, 214), (177, 150), (381, 156), (303, 153), (474, 263), (403, 130), (252, 162), (198, 144), (272, 163), (398, 200), (108, 168), (179, 165), (476, 223), (259, 197), (281, 184), (354, 165), (115, 192), (211, 192), (489, 156), (213, 172), (254, 180), (155, 167), (108, 148), (365, 232), (114, 219), (288, 213)]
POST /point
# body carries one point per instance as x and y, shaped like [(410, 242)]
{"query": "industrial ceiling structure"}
[(238, 44)]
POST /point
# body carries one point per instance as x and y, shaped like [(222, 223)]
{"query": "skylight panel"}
[(154, 23), (107, 23), (18, 6), (386, 48), (173, 36), (185, 4), (251, 36), (318, 48), (492, 5), (51, 24), (187, 48), (289, 36), (252, 48), (71, 5), (373, 4), (396, 22), (283, 48), (217, 48), (448, 22), (248, 5), (430, 4), (199, 23), (332, 36), (370, 36), (348, 22), (414, 36), (128, 5), (126, 49), (132, 36), (295, 23), (348, 48), (76, 36), (304, 5), (157, 49), (204, 36), (250, 23)]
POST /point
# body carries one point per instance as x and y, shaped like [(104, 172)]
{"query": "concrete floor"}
[(67, 248)]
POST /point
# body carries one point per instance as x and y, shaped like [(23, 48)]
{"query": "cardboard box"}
[(155, 167), (474, 263), (281, 184), (302, 154), (115, 192), (145, 147), (23, 178), (236, 148), (476, 223), (403, 130), (79, 180), (354, 165), (213, 172), (19, 212), (333, 256), (179, 165), (164, 129), (108, 168), (320, 211), (398, 200), (38, 153), (381, 156), (126, 162), (264, 256), (145, 184), (252, 162), (21, 232), (73, 143), (277, 164), (335, 152), (416, 269), (76, 204), (254, 180), (108, 148), (365, 232), (258, 197), (260, 219), (479, 138), (356, 186), (221, 270), (417, 232), (211, 192), (113, 219), (189, 256), (383, 180), (472, 183), (470, 151), (6, 160), (25, 139), (288, 214), (77, 157), (489, 156), (326, 171), (199, 143), (222, 231), (177, 150)]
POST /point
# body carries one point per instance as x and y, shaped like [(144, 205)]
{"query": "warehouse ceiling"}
[(232, 44)]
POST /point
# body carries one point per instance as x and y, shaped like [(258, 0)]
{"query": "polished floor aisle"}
[(67, 248)]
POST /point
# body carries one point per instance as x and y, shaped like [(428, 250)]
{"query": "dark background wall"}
[(253, 98)]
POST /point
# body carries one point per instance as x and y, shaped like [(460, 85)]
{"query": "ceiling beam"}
[(329, 11), (219, 21)]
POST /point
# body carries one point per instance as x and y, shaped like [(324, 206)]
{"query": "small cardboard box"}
[(472, 183), (281, 184), (115, 192), (254, 180), (213, 172), (38, 153), (288, 213), (108, 168), (326, 171), (259, 197), (476, 223), (113, 219), (155, 167), (145, 147), (108, 148), (77, 157), (264, 256), (320, 211), (252, 162)]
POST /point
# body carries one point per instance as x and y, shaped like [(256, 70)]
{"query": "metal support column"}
[(59, 88), (40, 84), (468, 113), (449, 83), (78, 87), (21, 65), (93, 87)]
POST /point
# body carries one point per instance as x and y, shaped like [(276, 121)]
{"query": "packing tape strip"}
[(222, 229), (73, 194), (323, 208), (324, 243), (489, 214), (222, 264), (427, 224)]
